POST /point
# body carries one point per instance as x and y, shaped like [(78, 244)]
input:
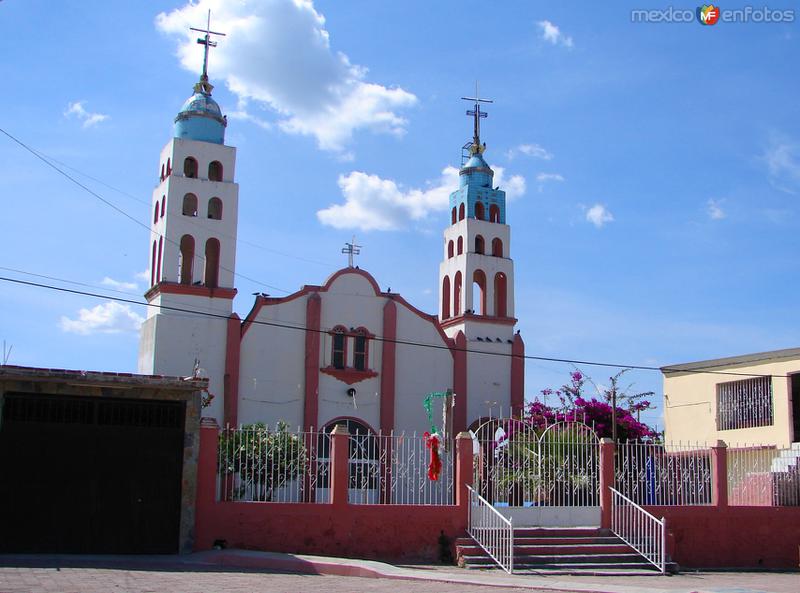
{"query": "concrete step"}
[(561, 532), (550, 549)]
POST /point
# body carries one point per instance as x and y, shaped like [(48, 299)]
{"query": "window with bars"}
[(744, 404)]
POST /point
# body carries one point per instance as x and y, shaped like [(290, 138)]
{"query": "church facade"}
[(343, 350)]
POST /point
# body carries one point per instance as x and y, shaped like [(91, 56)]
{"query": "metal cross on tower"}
[(204, 85), (477, 114), (351, 249)]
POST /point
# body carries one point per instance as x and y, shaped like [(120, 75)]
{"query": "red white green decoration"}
[(433, 439)]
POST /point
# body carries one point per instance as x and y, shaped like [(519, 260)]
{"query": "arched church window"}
[(494, 213), (215, 171), (453, 216), (479, 292), (461, 211), (153, 266), (162, 172), (500, 288), (190, 205), (169, 167), (215, 209), (457, 295), (479, 244), (190, 167), (497, 247), (360, 350), (163, 205), (186, 259), (450, 249), (339, 347), (445, 298), (155, 213), (212, 263), (479, 211), (158, 261), (460, 248)]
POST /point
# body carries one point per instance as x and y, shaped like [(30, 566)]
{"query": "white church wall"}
[(488, 379), (272, 366), (175, 341), (419, 371)]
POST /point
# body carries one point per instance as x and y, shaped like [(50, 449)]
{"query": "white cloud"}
[(278, 54), (376, 204), (783, 163), (119, 285), (107, 318), (551, 33), (599, 215), (714, 209), (77, 110), (532, 150), (544, 177), (144, 275)]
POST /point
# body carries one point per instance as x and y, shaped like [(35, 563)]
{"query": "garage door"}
[(90, 475)]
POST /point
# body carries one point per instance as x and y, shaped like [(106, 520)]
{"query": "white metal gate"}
[(548, 478)]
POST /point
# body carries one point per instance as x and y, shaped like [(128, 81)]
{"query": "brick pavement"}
[(109, 580)]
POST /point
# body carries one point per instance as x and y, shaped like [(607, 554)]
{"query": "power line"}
[(121, 211), (304, 328)]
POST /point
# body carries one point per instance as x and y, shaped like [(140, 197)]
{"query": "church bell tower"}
[(476, 277), (192, 248)]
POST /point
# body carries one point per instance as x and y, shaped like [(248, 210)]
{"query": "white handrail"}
[(493, 532), (641, 530)]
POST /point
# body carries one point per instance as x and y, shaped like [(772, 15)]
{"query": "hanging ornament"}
[(435, 465)]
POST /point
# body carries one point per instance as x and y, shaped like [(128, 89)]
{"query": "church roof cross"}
[(207, 43), (351, 249), (477, 115)]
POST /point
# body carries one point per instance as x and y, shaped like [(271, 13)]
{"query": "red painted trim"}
[(190, 290), (460, 382), (348, 375), (311, 405), (388, 365), (338, 419), (233, 347), (517, 376), (479, 319)]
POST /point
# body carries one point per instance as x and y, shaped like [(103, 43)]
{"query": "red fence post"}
[(607, 449), (719, 474), (463, 468), (340, 461), (206, 483)]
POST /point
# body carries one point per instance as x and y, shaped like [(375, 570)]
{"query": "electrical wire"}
[(412, 343)]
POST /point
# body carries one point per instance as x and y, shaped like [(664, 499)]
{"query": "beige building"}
[(743, 400)]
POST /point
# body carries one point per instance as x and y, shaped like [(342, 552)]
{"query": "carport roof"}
[(99, 378)]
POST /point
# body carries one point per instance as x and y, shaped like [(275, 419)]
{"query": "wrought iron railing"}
[(262, 464), (658, 474), (393, 469), (491, 530), (639, 529)]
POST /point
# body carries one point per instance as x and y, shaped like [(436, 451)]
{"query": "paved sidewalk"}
[(237, 571)]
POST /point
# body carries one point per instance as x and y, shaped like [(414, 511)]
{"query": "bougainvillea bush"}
[(575, 406)]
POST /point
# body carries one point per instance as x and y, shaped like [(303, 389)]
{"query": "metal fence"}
[(517, 467), (659, 474), (763, 476), (393, 469), (262, 464)]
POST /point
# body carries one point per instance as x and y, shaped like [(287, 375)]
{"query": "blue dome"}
[(475, 161), (201, 119)]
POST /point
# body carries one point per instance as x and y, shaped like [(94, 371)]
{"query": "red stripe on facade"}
[(460, 383), (388, 362), (313, 317), (233, 347), (517, 376)]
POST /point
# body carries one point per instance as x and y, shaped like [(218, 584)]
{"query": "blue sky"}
[(654, 169)]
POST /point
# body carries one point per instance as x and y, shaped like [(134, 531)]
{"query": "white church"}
[(340, 351)]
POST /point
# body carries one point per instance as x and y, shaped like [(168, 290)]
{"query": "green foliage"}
[(263, 460)]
